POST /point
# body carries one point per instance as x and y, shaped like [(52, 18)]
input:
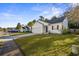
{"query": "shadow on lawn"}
[(38, 46), (71, 54)]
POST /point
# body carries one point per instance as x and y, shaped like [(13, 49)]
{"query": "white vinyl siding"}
[(37, 28), (54, 29), (65, 24)]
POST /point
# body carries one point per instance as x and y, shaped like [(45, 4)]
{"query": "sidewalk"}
[(10, 49)]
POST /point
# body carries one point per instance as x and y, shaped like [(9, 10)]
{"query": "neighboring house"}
[(51, 26), (22, 29), (26, 28), (13, 30)]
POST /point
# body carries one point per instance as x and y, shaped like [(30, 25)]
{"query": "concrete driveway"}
[(24, 35), (8, 38), (10, 47)]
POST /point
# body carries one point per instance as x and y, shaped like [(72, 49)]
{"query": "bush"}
[(66, 31), (27, 32)]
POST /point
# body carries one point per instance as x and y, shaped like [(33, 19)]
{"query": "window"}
[(57, 27), (52, 27)]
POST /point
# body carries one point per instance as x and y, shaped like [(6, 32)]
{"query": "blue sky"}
[(11, 14)]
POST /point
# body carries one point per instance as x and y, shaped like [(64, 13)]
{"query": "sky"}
[(13, 13)]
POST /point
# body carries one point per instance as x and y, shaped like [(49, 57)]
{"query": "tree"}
[(73, 24), (4, 29), (0, 29), (73, 17), (18, 26), (31, 23), (34, 21), (41, 18), (46, 20)]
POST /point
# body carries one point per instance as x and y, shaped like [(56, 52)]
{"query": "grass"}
[(1, 44), (47, 44)]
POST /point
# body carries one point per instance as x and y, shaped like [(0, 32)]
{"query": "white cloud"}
[(7, 14), (10, 15), (52, 12), (40, 8), (48, 12), (57, 11), (45, 12), (11, 20)]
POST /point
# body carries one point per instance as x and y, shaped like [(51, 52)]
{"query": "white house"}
[(25, 28), (51, 26)]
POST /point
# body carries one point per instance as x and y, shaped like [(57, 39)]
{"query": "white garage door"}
[(37, 30)]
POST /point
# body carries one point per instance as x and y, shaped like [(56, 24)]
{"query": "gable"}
[(65, 23), (37, 24), (42, 22)]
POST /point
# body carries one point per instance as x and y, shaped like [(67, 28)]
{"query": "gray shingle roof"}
[(56, 20)]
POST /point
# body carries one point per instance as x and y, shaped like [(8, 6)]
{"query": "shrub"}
[(66, 31)]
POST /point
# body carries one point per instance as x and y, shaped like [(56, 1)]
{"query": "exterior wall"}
[(55, 30), (21, 30), (65, 23), (62, 25), (24, 30), (37, 28), (30, 28)]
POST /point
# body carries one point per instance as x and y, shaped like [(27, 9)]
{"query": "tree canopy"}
[(73, 17), (41, 18), (18, 26), (73, 14), (31, 23)]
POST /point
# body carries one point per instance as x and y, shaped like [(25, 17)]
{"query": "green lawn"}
[(1, 44), (47, 44)]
